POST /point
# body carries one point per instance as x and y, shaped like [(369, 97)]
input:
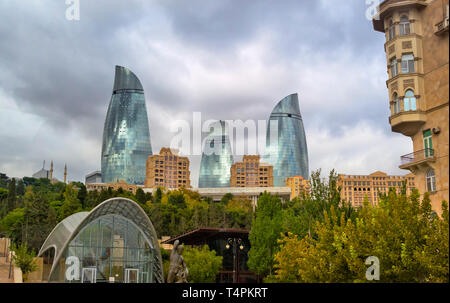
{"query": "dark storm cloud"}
[(228, 59)]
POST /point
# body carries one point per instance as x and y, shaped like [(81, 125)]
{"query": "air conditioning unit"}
[(442, 26)]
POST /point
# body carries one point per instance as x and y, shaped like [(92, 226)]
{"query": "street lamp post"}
[(235, 243)]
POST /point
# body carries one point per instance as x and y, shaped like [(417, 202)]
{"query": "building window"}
[(409, 101), (391, 30), (404, 26), (431, 181), (408, 63), (428, 143), (394, 67), (396, 104)]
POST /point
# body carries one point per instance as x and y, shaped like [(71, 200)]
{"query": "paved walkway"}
[(4, 271)]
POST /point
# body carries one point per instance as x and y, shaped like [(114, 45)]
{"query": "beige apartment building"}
[(168, 170), (355, 188), (115, 186), (417, 56), (251, 173), (298, 185)]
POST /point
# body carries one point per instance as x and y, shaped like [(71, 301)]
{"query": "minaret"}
[(65, 172), (51, 172)]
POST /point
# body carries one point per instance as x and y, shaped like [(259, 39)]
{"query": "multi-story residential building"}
[(251, 173), (286, 147), (217, 157), (126, 135), (355, 188), (168, 170), (298, 185), (417, 54)]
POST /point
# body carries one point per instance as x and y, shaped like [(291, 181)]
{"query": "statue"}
[(177, 271)]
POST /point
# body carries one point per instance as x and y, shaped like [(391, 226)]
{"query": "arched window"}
[(431, 181), (404, 26), (391, 30), (409, 102), (396, 103)]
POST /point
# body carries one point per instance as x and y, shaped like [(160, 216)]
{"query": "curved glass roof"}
[(67, 229)]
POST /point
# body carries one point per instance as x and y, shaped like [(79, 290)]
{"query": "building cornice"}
[(387, 6)]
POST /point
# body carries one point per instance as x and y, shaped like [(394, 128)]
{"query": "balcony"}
[(407, 123), (418, 160), (442, 27)]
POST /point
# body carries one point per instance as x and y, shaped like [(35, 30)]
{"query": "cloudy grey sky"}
[(228, 59)]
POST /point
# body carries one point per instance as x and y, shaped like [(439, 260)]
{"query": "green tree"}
[(24, 260), (82, 194), (158, 195), (140, 196), (410, 242), (226, 198), (12, 224), (3, 202), (20, 188), (203, 264), (11, 195), (39, 219), (266, 230), (300, 214), (71, 204), (177, 199)]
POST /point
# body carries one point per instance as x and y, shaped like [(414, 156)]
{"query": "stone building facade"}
[(298, 185), (168, 170), (251, 173), (417, 55), (355, 188)]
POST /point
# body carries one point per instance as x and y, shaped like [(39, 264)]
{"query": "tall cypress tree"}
[(38, 219), (11, 195), (20, 188)]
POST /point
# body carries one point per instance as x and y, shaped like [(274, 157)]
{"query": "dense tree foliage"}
[(273, 219), (266, 230), (411, 243), (202, 263), (316, 237), (30, 217)]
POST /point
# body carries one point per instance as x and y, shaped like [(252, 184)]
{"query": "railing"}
[(417, 156)]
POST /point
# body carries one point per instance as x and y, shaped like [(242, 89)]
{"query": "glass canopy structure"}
[(115, 242), (217, 158), (288, 154), (126, 135)]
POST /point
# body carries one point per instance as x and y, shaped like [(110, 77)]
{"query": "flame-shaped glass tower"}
[(126, 135), (288, 153), (217, 158)]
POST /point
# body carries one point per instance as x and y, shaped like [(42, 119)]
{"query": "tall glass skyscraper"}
[(288, 154), (217, 158), (126, 136)]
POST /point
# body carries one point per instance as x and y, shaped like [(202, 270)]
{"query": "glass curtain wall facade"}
[(217, 158), (115, 242), (288, 154), (110, 246), (126, 135)]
